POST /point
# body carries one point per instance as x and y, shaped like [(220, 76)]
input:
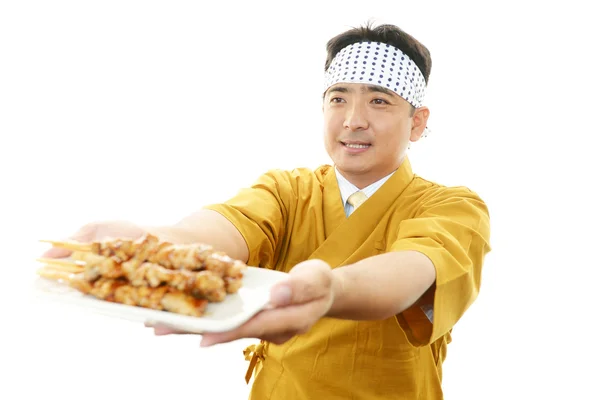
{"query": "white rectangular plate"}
[(236, 309)]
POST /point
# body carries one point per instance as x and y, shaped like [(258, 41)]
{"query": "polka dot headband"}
[(378, 64)]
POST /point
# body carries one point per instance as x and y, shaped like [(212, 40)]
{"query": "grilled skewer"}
[(163, 298), (149, 273), (202, 284), (195, 257)]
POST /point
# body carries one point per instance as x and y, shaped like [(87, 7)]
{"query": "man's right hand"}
[(97, 231)]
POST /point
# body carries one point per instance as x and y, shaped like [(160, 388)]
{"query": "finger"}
[(308, 289), (307, 281), (279, 338), (83, 235), (86, 234), (262, 325), (279, 321), (162, 330), (56, 252)]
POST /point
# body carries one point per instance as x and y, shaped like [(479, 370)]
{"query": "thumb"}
[(56, 252), (86, 233), (281, 295), (83, 235), (308, 281)]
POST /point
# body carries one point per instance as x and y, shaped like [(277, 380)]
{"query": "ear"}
[(419, 123)]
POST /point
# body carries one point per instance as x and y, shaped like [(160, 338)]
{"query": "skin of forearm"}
[(205, 226), (380, 287)]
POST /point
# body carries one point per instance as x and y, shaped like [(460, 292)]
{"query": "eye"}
[(336, 100), (380, 101)]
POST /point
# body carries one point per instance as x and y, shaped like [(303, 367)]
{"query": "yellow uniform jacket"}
[(287, 217)]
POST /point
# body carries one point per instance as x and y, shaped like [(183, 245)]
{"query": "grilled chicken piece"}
[(163, 298), (195, 257), (202, 284)]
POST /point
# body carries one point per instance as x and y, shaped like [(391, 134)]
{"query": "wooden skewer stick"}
[(70, 265), (55, 273), (69, 245)]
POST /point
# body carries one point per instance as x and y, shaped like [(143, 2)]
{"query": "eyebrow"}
[(374, 88), (370, 88)]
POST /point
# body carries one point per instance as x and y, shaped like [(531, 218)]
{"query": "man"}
[(382, 263)]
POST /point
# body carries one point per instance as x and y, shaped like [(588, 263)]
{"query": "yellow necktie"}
[(356, 199)]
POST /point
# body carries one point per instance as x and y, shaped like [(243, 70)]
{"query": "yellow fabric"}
[(356, 199), (287, 217), (253, 353)]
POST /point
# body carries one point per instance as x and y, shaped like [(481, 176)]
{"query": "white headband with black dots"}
[(378, 64)]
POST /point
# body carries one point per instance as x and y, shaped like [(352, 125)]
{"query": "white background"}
[(146, 110)]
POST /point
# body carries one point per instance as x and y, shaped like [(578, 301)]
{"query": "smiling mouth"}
[(356, 145)]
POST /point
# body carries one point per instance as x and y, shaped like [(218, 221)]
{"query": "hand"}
[(99, 231), (296, 305)]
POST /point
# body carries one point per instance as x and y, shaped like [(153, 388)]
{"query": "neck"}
[(363, 179)]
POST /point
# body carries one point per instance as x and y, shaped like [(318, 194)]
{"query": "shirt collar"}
[(347, 188)]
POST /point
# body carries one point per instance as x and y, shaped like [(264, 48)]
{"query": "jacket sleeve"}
[(259, 212), (452, 228)]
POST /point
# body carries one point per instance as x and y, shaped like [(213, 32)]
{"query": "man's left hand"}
[(296, 305)]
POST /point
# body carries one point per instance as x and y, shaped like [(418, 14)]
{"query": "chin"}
[(355, 166)]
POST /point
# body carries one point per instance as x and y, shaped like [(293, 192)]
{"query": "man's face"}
[(367, 130)]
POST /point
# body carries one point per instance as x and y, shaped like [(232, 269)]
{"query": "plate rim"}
[(258, 296)]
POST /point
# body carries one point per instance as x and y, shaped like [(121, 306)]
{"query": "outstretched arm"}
[(375, 288), (206, 226), (382, 286), (435, 261)]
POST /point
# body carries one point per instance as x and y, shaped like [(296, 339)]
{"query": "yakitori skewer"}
[(201, 284), (148, 272), (69, 245), (196, 256), (164, 298), (65, 265), (56, 273)]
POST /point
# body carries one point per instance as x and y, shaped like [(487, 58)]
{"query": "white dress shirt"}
[(347, 189)]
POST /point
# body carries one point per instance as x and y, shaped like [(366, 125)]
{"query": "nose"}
[(356, 119)]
